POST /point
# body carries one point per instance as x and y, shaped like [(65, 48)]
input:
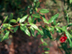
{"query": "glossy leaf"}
[(32, 31), (25, 29), (6, 36), (23, 19), (53, 18), (36, 28), (58, 30), (6, 25), (13, 21)]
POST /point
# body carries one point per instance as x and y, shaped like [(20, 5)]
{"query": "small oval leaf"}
[(13, 21), (44, 11), (23, 19), (53, 18), (36, 15), (25, 29)]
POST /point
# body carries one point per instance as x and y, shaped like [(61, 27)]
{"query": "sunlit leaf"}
[(30, 19), (44, 19), (6, 25), (32, 30), (36, 28), (23, 19), (70, 1), (25, 29), (6, 36), (53, 18), (18, 19), (13, 21)]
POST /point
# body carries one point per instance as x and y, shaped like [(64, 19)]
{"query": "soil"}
[(21, 44)]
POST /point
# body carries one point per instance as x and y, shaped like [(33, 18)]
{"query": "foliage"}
[(27, 22)]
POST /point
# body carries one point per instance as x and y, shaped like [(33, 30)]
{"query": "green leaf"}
[(13, 21), (38, 4), (53, 18), (36, 15), (29, 19), (71, 44), (58, 30), (46, 33), (23, 19), (25, 29), (41, 32), (5, 19), (70, 24), (6, 25), (44, 11), (52, 29), (46, 49), (11, 16), (46, 52), (44, 44), (67, 34), (36, 28), (44, 19), (16, 28), (32, 31), (49, 34), (36, 0), (67, 18), (18, 19), (70, 1), (6, 36), (54, 22)]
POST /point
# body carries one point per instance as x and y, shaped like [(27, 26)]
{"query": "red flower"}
[(64, 35), (63, 39)]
